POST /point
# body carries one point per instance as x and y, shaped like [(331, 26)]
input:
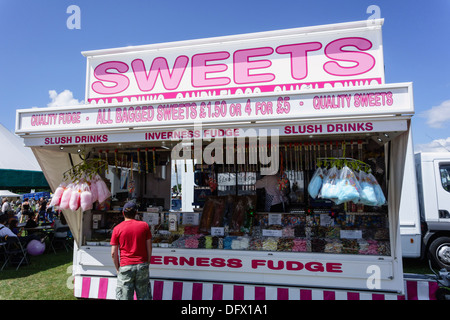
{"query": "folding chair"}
[(15, 252), (60, 239), (3, 254)]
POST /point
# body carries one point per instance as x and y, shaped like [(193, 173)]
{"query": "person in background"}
[(274, 196), (13, 226), (31, 222), (5, 205), (42, 209), (49, 214), (4, 230), (134, 241)]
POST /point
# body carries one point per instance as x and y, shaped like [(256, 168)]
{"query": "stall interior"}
[(334, 198)]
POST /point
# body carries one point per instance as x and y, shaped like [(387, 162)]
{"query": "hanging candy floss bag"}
[(316, 183), (381, 199), (348, 186), (368, 196), (329, 187)]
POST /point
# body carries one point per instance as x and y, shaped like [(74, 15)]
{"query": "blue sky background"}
[(40, 57)]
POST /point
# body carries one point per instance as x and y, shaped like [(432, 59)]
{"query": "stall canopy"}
[(7, 193), (18, 165)]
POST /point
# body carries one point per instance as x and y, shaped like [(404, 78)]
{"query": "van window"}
[(444, 170)]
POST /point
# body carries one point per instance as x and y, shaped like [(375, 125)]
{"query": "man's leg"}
[(143, 285), (126, 283)]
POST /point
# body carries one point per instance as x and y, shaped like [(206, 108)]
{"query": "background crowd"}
[(21, 218)]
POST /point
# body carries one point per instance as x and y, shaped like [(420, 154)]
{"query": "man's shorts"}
[(134, 278)]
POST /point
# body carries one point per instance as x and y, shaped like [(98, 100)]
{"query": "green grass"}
[(45, 278)]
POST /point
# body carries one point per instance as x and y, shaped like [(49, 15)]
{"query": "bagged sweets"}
[(65, 198), (56, 199), (329, 187), (299, 245), (86, 198), (316, 183), (367, 194), (348, 186), (381, 200)]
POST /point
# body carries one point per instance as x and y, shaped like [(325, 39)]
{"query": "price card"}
[(190, 218), (274, 219), (217, 231), (272, 233), (152, 218), (173, 222), (351, 234)]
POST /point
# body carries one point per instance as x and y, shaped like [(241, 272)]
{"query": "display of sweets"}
[(333, 233), (240, 243), (208, 242), (333, 246), (288, 232), (285, 244), (319, 231), (299, 245), (318, 245), (384, 249), (369, 247), (179, 243), (227, 242), (255, 244), (191, 242), (270, 244), (350, 246), (299, 231), (382, 234), (190, 230)]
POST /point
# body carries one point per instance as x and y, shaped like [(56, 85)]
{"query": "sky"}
[(41, 62)]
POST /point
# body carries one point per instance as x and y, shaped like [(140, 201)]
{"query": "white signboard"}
[(368, 101), (309, 128), (293, 59)]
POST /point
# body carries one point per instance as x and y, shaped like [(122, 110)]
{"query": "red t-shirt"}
[(131, 237)]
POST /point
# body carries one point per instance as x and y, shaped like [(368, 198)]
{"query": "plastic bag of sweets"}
[(74, 202), (65, 198), (381, 199), (329, 187), (315, 184), (367, 194), (86, 197), (102, 189), (56, 198), (348, 186)]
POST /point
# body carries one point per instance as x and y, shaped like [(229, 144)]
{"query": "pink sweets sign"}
[(347, 54)]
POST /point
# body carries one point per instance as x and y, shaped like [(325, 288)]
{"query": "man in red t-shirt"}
[(133, 239)]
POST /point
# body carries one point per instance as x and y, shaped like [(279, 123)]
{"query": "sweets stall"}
[(221, 139)]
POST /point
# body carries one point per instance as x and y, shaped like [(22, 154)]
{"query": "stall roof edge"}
[(375, 23)]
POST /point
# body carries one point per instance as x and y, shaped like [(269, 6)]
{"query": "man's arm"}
[(115, 256), (149, 249)]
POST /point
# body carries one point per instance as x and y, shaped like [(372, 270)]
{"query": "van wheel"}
[(440, 252)]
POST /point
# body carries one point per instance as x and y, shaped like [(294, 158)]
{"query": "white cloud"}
[(62, 99), (439, 145), (438, 115)]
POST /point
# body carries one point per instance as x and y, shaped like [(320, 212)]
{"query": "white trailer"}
[(426, 210)]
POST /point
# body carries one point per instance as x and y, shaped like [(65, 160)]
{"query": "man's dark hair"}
[(129, 213)]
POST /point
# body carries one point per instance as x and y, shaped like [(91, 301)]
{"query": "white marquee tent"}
[(18, 165)]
